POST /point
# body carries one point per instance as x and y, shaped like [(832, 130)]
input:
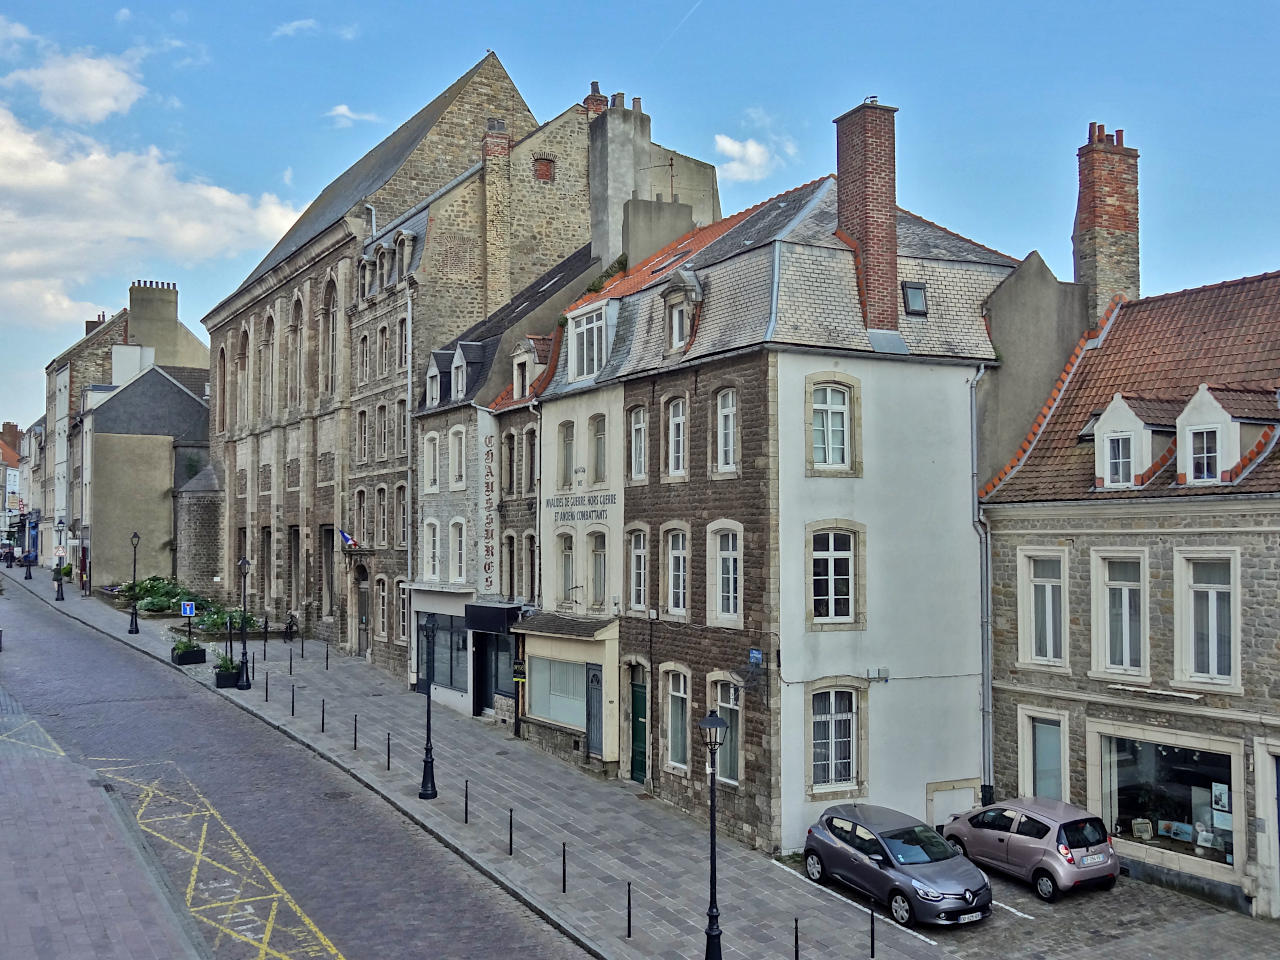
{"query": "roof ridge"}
[(959, 236), (1255, 278)]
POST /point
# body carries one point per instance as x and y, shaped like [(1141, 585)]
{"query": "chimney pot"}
[(1105, 238), (635, 104), (1119, 137), (595, 86), (1093, 132), (1111, 140), (619, 100)]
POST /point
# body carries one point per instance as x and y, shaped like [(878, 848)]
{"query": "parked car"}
[(899, 861), (1056, 846)]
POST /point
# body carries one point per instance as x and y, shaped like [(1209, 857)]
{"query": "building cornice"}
[(1133, 703), (1200, 506)]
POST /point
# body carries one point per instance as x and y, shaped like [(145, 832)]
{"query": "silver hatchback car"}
[(899, 861), (1055, 845)]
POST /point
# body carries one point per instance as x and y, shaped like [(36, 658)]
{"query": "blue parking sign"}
[(188, 608)]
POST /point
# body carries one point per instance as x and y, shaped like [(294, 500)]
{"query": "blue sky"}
[(169, 142)]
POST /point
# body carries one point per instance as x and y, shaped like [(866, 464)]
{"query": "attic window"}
[(1119, 461), (522, 379), (544, 169), (914, 300), (459, 380), (678, 325), (1204, 455), (433, 388)]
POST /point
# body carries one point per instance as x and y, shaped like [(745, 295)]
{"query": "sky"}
[(177, 143)]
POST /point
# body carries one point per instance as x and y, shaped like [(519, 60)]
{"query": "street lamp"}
[(242, 681), (713, 729), (59, 556), (133, 617), (427, 633)]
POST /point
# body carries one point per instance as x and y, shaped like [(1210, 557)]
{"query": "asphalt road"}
[(264, 843)]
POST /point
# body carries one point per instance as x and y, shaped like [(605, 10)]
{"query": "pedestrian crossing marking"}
[(227, 887), (28, 733)]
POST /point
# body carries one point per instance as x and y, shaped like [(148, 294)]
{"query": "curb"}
[(527, 899)]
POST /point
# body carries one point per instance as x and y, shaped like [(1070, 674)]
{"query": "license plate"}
[(1092, 858), (968, 917)]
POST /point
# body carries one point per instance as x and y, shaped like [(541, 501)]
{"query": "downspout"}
[(410, 492), (984, 594)]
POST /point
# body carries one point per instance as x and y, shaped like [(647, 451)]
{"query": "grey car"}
[(898, 860), (1055, 845)]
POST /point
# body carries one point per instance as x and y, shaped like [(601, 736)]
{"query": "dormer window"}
[(914, 301), (586, 345), (677, 326), (433, 388), (1120, 461), (459, 379), (522, 379), (1204, 455)]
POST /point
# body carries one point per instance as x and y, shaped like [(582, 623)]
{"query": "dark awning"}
[(492, 617)]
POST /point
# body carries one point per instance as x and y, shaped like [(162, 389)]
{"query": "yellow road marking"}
[(53, 748)]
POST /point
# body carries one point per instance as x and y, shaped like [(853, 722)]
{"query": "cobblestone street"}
[(347, 857)]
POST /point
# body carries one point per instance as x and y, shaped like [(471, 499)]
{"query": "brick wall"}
[(866, 184), (1105, 239)]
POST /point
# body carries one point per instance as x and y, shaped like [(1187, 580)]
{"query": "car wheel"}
[(1046, 887), (1108, 883), (813, 868), (958, 846), (900, 908)]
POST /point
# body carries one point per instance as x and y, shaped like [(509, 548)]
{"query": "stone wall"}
[(199, 540)]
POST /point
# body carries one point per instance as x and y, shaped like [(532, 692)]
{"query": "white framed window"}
[(677, 719), (433, 388), (558, 691), (459, 378), (457, 551), (566, 454), (521, 379), (677, 571), (402, 426), (1042, 606), (1043, 753), (639, 592), (382, 433), (1206, 584), (384, 351), (380, 588), (431, 550), (381, 500), (402, 593), (531, 460), (727, 430), (362, 532), (830, 409), (599, 447), (1204, 455), (364, 359), (566, 568), (729, 704), (402, 516), (362, 435), (1118, 577), (431, 461), (676, 438), (1120, 460), (831, 586), (639, 448), (457, 458), (586, 345), (599, 569), (724, 573), (833, 738), (678, 326)]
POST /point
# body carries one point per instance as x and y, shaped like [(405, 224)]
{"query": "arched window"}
[(327, 349), (382, 515), (402, 516), (676, 438), (295, 356), (266, 367), (364, 359), (384, 351), (222, 389), (431, 550), (362, 532), (242, 379), (457, 551)]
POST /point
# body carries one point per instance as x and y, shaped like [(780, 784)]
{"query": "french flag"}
[(348, 540)]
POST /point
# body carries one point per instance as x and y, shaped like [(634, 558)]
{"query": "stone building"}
[(10, 472), (317, 357), (1133, 551), (31, 486)]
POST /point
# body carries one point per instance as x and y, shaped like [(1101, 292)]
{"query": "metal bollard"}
[(322, 714), (388, 750), (873, 933), (291, 661), (293, 700), (466, 801), (1, 639), (253, 666), (266, 687), (797, 938), (564, 867), (326, 654), (511, 827), (628, 909), (355, 731), (303, 637)]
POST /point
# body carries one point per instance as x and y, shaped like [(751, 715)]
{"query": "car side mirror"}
[(879, 860)]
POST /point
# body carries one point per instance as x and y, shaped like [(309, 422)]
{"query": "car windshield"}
[(918, 844), (1084, 833)]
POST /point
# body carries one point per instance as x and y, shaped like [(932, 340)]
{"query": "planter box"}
[(225, 678), (188, 657)]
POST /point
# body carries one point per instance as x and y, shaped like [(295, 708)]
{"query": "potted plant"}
[(224, 671), (186, 652)]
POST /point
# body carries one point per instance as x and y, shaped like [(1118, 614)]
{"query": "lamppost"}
[(133, 616), (427, 632), (59, 556), (713, 729), (242, 681)]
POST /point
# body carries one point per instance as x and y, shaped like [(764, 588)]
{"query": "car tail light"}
[(1111, 847), (810, 833), (1066, 853)]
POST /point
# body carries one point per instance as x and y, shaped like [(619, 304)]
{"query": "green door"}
[(639, 740)]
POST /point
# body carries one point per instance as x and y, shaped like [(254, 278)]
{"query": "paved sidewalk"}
[(614, 833), (74, 882)]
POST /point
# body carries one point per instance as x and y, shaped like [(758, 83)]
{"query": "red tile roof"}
[(507, 398), (8, 456), (1166, 346)]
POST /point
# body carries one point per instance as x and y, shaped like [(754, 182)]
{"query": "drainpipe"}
[(410, 492), (984, 594)]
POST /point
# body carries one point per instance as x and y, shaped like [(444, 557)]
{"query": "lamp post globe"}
[(61, 527), (427, 635), (242, 680), (713, 728), (133, 614)]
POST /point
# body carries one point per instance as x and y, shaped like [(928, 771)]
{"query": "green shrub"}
[(183, 645), (225, 664), (155, 604)]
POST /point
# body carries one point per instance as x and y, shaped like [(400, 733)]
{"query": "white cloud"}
[(749, 160), (350, 31), (81, 88), (74, 211), (343, 116), (287, 176), (12, 37), (294, 27), (123, 15)]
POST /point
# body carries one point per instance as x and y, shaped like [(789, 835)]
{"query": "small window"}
[(599, 448), (678, 326), (639, 558), (522, 380), (586, 345), (675, 438), (544, 169), (830, 426), (433, 388), (1119, 461), (727, 430), (1204, 455), (639, 448), (459, 380), (599, 569), (913, 299)]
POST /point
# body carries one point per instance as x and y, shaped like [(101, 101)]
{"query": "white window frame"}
[(458, 458), (458, 550), (433, 388), (728, 697), (431, 549), (676, 557), (588, 350), (1026, 610), (833, 785), (431, 461), (677, 437), (828, 409), (638, 570), (831, 554), (639, 443), (597, 425), (565, 438), (1100, 618), (598, 541), (1214, 475), (727, 430), (1026, 747), (677, 325), (458, 380), (1185, 676), (1112, 459), (568, 567), (673, 689), (716, 614)]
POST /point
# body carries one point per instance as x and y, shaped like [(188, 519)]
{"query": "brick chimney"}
[(867, 203), (1105, 239), (595, 101)]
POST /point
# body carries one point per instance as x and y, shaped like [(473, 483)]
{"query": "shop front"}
[(493, 649)]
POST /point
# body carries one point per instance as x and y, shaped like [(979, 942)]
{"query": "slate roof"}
[(362, 178), (206, 481), (559, 625), (1226, 334), (194, 379)]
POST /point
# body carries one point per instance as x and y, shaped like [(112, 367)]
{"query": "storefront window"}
[(504, 651), (1175, 798), (447, 636), (558, 691)]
